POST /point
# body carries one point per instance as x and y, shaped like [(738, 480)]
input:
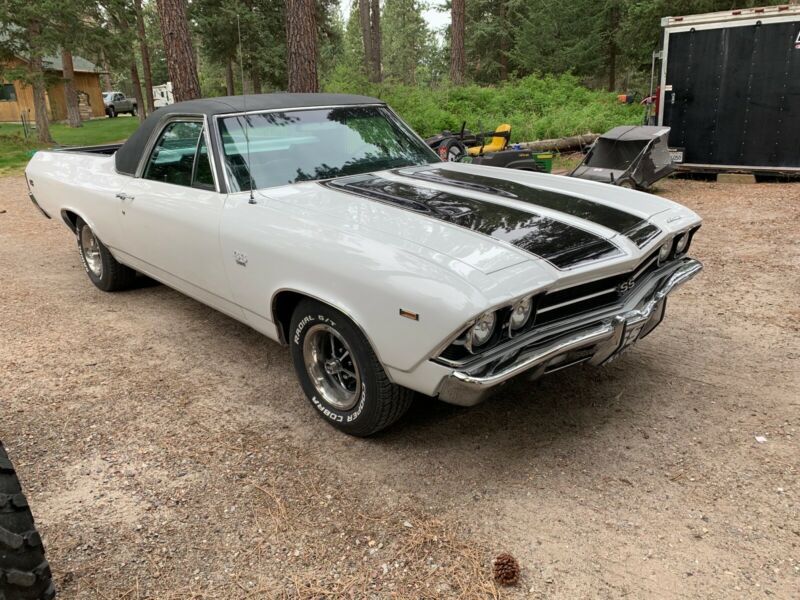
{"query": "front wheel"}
[(340, 373), (24, 572), (112, 112), (101, 267)]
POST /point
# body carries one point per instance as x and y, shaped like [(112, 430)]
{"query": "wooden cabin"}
[(16, 97)]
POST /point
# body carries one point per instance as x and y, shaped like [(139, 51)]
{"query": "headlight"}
[(481, 332), (683, 242), (520, 313), (663, 253)]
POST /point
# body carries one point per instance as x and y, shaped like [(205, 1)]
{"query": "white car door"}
[(170, 216)]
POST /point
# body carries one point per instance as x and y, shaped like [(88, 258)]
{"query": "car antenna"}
[(244, 106)]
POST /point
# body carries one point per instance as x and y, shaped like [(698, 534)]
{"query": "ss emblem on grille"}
[(626, 286)]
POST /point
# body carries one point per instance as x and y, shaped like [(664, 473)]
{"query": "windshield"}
[(107, 95), (307, 145)]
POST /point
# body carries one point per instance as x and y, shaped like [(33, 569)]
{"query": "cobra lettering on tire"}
[(340, 373)]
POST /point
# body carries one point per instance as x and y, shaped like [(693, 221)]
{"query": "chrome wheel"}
[(332, 367), (90, 249)]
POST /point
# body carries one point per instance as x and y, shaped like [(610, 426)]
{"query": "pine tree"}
[(301, 45), (458, 58), (179, 50), (405, 39)]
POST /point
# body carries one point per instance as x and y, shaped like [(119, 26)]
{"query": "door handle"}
[(122, 196)]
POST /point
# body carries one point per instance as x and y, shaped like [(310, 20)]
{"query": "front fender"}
[(366, 276)]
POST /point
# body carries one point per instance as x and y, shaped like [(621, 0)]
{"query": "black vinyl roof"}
[(128, 156)]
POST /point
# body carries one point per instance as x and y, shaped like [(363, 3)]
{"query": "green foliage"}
[(405, 39), (15, 150), (263, 52), (536, 107)]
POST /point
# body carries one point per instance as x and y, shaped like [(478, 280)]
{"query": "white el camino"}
[(324, 222)]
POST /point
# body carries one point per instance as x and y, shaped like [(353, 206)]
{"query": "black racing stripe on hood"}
[(561, 244), (638, 230)]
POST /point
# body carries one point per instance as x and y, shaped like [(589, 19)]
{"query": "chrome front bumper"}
[(596, 338)]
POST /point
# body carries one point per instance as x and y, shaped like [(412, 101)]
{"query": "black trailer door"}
[(735, 95)]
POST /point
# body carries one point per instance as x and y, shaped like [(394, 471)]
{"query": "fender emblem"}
[(240, 258)]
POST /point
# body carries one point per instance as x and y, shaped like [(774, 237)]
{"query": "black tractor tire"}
[(379, 403), (455, 151), (24, 572), (113, 276)]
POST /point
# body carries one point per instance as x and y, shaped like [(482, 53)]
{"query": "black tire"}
[(455, 151), (112, 112), (629, 184), (113, 276), (134, 111), (24, 572), (380, 402)]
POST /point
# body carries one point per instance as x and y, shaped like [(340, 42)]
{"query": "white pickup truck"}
[(326, 223)]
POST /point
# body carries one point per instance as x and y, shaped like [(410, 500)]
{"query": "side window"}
[(172, 159), (203, 178)]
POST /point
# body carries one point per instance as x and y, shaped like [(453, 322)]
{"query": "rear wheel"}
[(24, 572), (134, 111), (340, 373), (455, 151), (101, 267)]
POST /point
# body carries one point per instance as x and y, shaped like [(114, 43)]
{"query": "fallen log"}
[(565, 144)]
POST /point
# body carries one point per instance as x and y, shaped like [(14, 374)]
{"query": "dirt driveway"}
[(168, 451)]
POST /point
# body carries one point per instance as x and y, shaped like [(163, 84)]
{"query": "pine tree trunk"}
[(39, 89), (137, 90), (70, 95), (457, 53), (301, 45), (505, 28), (366, 36), (256, 77), (611, 57), (145, 51), (106, 72), (375, 30), (178, 49), (229, 77)]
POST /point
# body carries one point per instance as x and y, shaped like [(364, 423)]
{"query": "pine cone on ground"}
[(506, 569)]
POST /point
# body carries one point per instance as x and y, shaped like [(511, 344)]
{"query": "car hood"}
[(488, 218)]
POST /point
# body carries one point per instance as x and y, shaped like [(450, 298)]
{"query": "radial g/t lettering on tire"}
[(340, 373)]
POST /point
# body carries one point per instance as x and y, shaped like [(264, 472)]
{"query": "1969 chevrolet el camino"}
[(324, 222)]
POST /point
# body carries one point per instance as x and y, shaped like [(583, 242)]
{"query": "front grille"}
[(593, 295)]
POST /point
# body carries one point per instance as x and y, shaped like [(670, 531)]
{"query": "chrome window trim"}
[(165, 121)]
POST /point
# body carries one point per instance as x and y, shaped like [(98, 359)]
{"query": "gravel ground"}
[(168, 451)]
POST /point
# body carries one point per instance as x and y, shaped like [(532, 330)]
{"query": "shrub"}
[(536, 107)]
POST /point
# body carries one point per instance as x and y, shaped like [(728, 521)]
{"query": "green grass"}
[(16, 151)]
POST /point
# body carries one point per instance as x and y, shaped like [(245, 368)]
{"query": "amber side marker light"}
[(409, 315)]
